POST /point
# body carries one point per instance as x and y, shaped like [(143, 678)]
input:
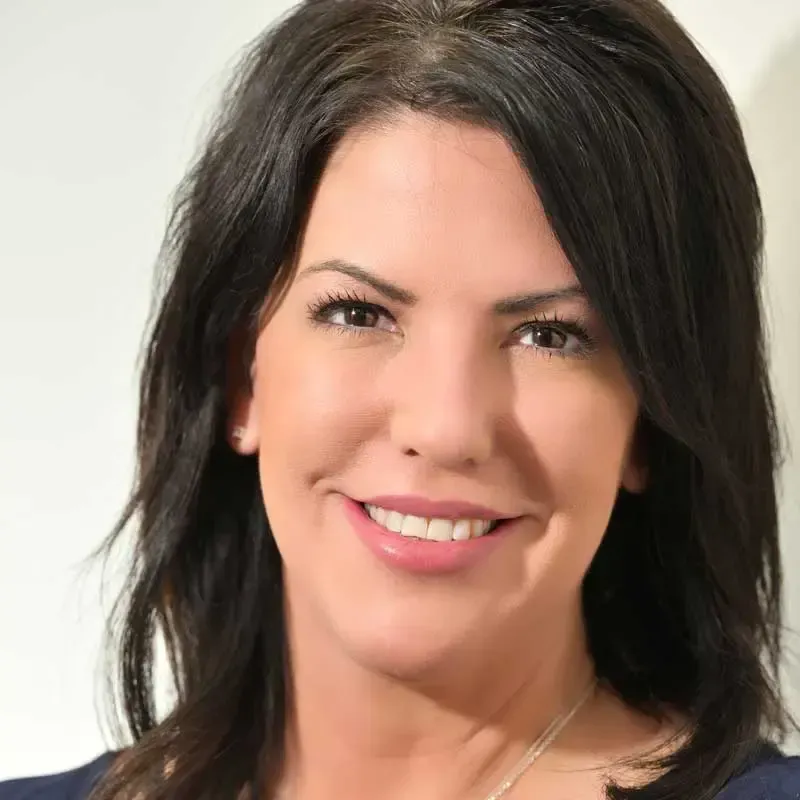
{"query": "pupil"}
[(548, 338), (357, 316)]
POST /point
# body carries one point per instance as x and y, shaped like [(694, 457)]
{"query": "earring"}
[(238, 433)]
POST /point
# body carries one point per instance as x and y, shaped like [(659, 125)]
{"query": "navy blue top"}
[(73, 785), (775, 777)]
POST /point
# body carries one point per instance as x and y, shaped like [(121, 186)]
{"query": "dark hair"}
[(636, 152)]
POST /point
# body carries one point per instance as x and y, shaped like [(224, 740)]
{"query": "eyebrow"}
[(518, 304)]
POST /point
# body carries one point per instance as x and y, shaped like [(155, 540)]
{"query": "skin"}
[(432, 687)]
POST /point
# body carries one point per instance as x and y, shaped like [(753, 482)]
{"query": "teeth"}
[(438, 530), (415, 527), (462, 530), (394, 521)]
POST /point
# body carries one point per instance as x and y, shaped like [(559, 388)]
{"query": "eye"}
[(355, 316), (557, 337), (548, 338), (347, 312)]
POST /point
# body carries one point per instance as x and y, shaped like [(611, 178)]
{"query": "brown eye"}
[(357, 316), (347, 313), (564, 338), (549, 339)]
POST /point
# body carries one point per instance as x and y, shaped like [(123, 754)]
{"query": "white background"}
[(103, 102)]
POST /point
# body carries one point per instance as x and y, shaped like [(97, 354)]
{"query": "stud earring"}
[(238, 433)]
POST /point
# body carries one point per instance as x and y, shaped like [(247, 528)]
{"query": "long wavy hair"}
[(635, 149)]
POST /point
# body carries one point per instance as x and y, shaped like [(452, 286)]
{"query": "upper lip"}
[(443, 509)]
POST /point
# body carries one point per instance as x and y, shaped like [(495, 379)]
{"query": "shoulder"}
[(776, 777), (73, 785)]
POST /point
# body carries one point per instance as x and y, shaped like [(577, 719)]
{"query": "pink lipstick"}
[(425, 556)]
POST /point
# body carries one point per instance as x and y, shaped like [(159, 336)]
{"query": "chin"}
[(408, 662), (408, 647)]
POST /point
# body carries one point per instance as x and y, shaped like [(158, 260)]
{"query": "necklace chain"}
[(536, 749), (540, 745)]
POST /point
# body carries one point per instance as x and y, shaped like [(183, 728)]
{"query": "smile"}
[(440, 551), (430, 528)]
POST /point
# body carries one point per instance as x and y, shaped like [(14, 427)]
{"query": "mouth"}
[(431, 529), (427, 545)]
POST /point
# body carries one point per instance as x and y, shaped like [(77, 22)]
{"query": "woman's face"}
[(434, 392)]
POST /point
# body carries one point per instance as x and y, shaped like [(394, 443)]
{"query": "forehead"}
[(418, 192)]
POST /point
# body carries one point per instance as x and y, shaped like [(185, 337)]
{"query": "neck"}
[(454, 729)]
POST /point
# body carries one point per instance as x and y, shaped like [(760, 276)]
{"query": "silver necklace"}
[(534, 751), (540, 745)]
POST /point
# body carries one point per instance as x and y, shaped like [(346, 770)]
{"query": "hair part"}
[(645, 179)]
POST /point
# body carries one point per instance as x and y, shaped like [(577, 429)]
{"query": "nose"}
[(445, 406)]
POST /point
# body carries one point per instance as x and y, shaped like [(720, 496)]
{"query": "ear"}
[(635, 473), (243, 438), (242, 419)]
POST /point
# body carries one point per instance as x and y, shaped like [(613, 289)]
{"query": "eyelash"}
[(344, 300)]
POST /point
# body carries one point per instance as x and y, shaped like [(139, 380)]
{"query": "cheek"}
[(580, 428), (312, 404)]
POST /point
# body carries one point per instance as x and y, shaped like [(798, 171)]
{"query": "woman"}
[(457, 445)]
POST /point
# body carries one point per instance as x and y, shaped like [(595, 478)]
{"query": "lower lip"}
[(421, 555)]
